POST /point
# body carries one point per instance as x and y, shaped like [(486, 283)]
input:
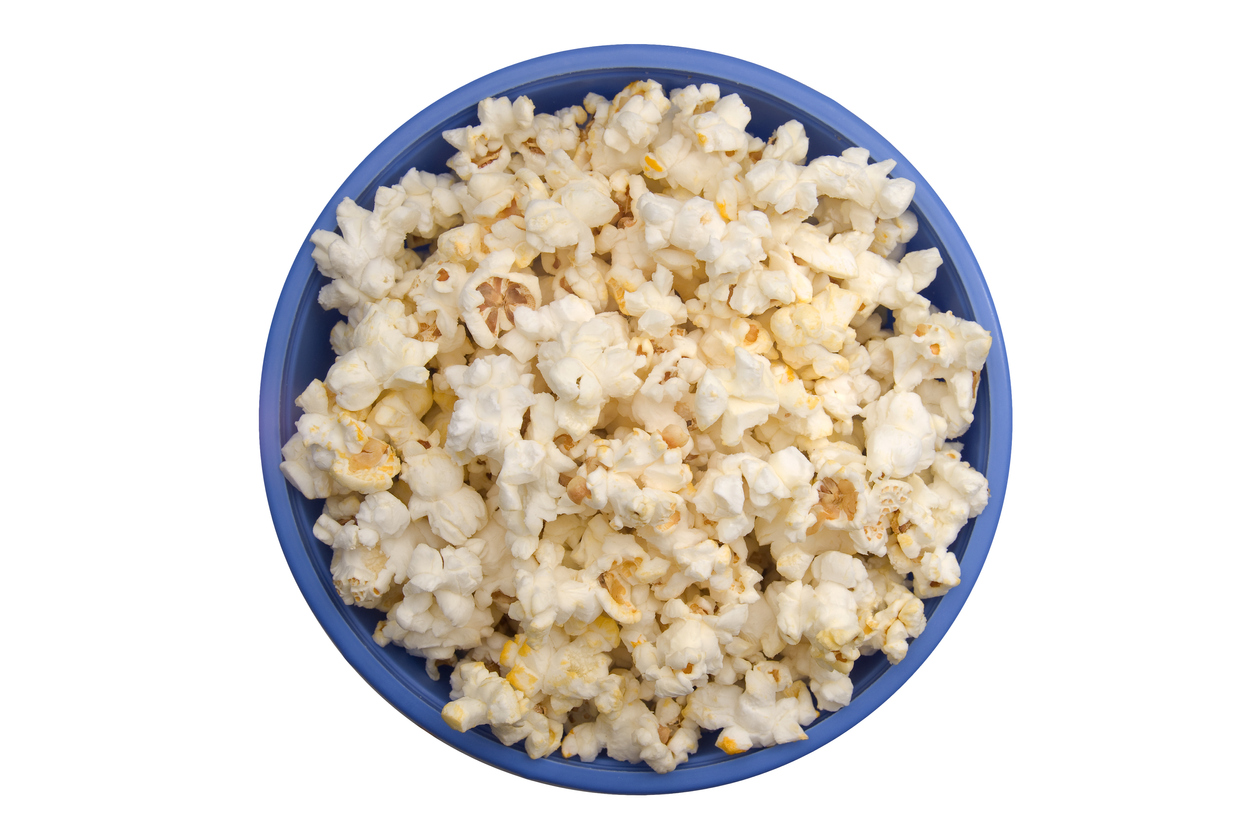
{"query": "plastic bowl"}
[(298, 351)]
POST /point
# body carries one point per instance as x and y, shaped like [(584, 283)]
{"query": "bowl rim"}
[(556, 770)]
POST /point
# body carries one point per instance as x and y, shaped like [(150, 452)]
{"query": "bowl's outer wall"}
[(299, 351)]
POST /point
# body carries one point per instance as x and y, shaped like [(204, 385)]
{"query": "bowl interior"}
[(307, 355)]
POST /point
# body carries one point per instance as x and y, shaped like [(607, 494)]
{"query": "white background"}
[(162, 165)]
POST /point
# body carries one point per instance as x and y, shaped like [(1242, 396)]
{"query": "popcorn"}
[(333, 448), (632, 732), (491, 296), (451, 575), (550, 594), (851, 176), (654, 303), (812, 333), (480, 696), (586, 362), (419, 623), (681, 657), (492, 396), (721, 128), (430, 197), (899, 435), (439, 494), (901, 617), (821, 254), (550, 225), (770, 709), (789, 143), (777, 184), (661, 468), (379, 353), (757, 287), (937, 346), (937, 574), (564, 671), (622, 131), (742, 397), (361, 572), (825, 615), (360, 262), (528, 486)]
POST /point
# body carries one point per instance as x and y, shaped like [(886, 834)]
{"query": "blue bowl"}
[(298, 351)]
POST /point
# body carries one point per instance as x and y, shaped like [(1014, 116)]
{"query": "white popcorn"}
[(332, 448), (821, 254), (628, 362), (937, 574), (935, 513), (430, 197), (722, 127), (802, 412), (540, 733), (486, 147), (824, 614), (654, 303), (899, 435), (436, 293), (464, 245), (420, 622), (381, 353), (381, 515), (528, 486), (455, 511), (492, 396), (683, 656), (550, 225), (623, 129), (812, 333), (789, 143), (488, 197), (629, 731), (842, 486), (777, 184), (396, 414), (585, 359), (757, 286), (481, 696), (878, 281), (951, 400), (742, 397), (451, 575), (634, 124), (770, 709), (831, 688), (491, 296), (937, 346), (550, 594), (851, 176), (362, 572), (696, 224), (361, 262), (634, 478), (958, 481), (620, 569), (590, 200), (564, 671), (901, 617)]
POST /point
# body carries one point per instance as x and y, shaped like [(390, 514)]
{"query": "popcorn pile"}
[(616, 431)]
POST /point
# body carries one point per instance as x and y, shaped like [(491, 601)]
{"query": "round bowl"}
[(298, 351)]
